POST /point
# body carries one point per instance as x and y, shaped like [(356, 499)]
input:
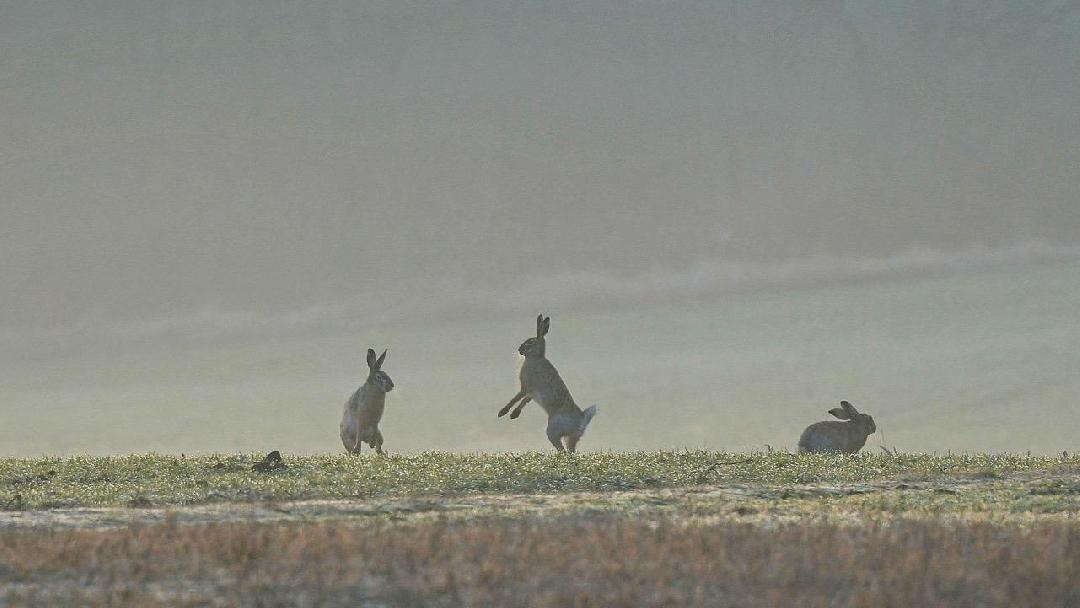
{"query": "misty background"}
[(736, 212)]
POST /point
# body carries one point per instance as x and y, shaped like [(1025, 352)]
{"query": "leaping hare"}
[(832, 436), (540, 382), (360, 422)]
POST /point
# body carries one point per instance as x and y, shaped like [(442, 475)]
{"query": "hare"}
[(832, 436), (540, 382), (360, 422)]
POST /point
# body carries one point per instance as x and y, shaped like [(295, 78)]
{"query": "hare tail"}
[(587, 417)]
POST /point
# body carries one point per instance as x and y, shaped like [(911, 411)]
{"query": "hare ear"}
[(840, 413), (547, 325), (371, 358), (378, 362), (850, 409), (539, 326)]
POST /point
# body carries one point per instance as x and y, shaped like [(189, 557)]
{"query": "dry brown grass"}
[(578, 561)]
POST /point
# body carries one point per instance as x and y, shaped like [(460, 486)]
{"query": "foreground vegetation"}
[(681, 528), (579, 561), (160, 480)]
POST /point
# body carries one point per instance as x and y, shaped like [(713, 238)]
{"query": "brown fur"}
[(832, 436), (541, 382), (364, 410)]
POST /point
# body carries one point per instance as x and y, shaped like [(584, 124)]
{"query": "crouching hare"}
[(360, 422), (831, 436), (540, 382)]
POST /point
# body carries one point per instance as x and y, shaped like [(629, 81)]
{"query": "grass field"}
[(609, 529)]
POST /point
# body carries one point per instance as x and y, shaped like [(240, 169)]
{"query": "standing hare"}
[(540, 382), (832, 436), (360, 422)]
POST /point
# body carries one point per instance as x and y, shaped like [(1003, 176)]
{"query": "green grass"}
[(162, 480), (686, 528)]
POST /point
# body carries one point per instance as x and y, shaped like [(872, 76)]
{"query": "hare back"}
[(541, 381), (829, 436), (366, 405), (823, 437)]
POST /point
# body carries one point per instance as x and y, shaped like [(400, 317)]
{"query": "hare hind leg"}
[(555, 438), (350, 438), (377, 442)]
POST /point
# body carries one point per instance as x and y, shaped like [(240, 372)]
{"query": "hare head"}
[(535, 346), (846, 411), (375, 374)]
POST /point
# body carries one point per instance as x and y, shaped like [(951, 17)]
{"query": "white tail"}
[(586, 417)]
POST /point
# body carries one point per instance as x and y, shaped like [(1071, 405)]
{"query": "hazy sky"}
[(158, 157)]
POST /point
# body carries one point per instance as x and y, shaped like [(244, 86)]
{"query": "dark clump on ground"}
[(270, 462)]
